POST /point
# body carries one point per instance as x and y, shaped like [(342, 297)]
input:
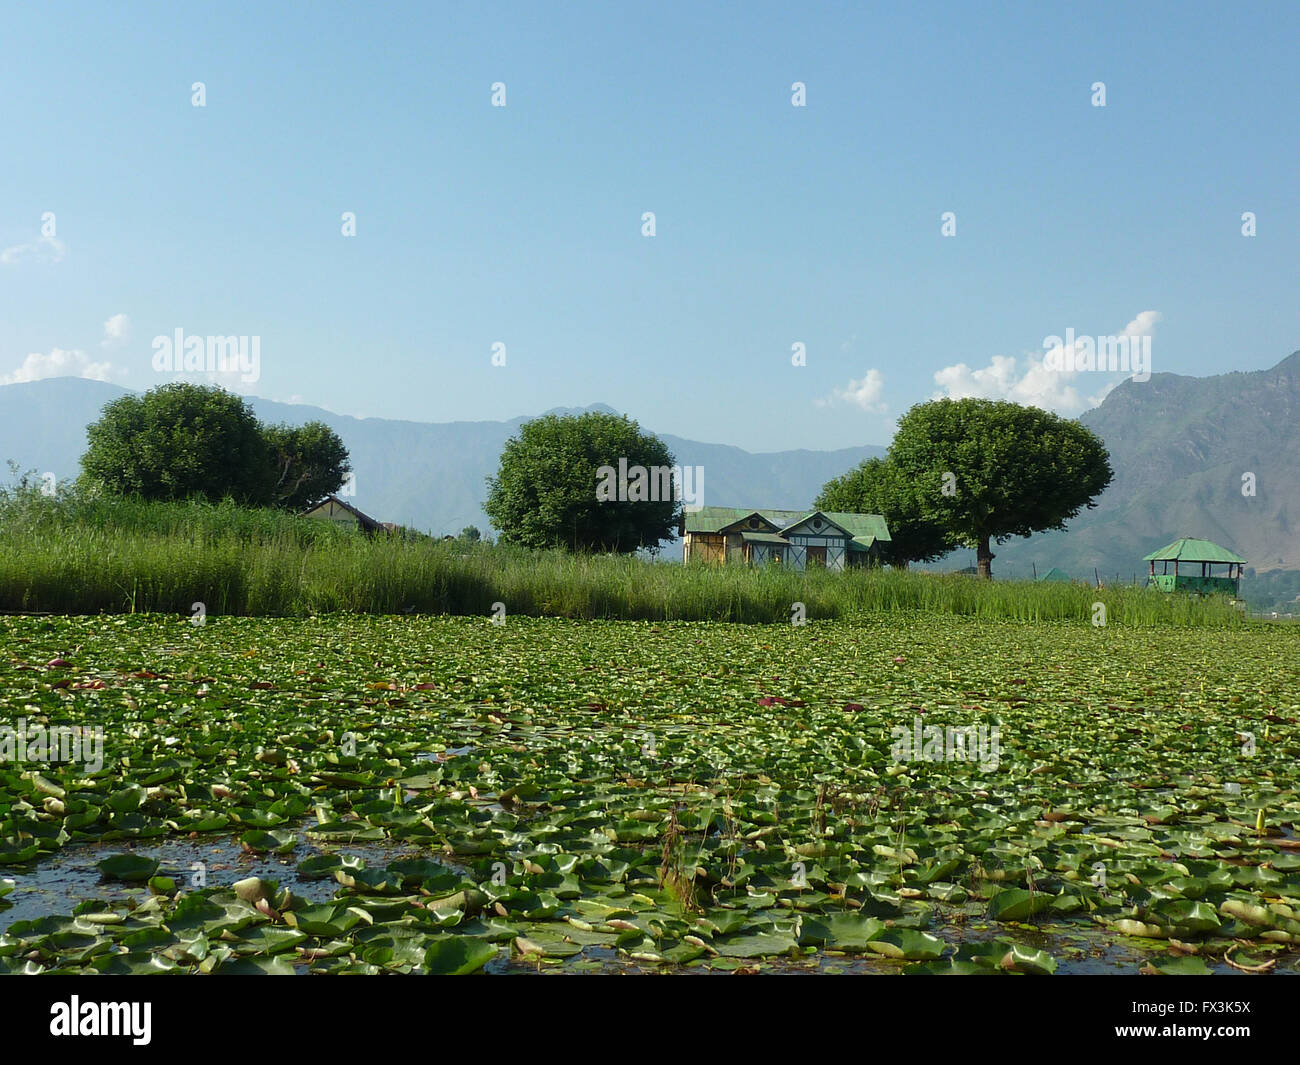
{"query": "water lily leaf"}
[(1182, 965), (260, 840), (128, 867), (760, 945), (1024, 959), (1015, 904), (908, 943), (458, 955), (842, 931)]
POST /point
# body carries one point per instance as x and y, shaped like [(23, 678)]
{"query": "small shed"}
[(1193, 568)]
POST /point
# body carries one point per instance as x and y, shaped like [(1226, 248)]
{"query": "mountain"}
[(1180, 447), (427, 475)]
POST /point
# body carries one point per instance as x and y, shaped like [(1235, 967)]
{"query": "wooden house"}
[(1194, 562), (799, 539), (332, 508)]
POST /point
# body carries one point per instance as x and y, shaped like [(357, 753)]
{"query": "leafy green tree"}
[(987, 470), (177, 441), (876, 487), (471, 534), (310, 463), (545, 493)]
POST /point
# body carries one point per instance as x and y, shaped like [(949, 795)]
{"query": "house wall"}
[(730, 547), (735, 547), (704, 547), (836, 549)]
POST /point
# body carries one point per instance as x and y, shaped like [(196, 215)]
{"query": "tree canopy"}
[(310, 463), (545, 492), (183, 440), (988, 470), (876, 487)]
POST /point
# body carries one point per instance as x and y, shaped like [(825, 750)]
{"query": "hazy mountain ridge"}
[(1179, 446), (429, 475)]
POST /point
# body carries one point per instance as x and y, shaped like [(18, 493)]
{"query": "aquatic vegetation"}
[(420, 794)]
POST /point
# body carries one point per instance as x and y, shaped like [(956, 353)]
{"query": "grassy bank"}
[(77, 555)]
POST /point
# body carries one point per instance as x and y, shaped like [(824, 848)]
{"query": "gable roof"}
[(862, 526), (865, 529), (1187, 549), (1056, 574), (816, 519), (364, 520)]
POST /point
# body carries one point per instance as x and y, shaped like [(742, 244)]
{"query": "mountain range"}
[(1216, 458), (1212, 457), (426, 475)]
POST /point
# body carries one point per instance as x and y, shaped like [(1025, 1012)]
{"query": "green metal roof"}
[(711, 519), (1056, 574), (1189, 550), (764, 538), (860, 526)]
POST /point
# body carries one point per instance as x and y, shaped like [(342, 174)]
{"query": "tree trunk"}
[(984, 559)]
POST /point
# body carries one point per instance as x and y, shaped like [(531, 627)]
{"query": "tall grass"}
[(73, 554)]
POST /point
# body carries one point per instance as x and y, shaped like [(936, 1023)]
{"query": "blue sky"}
[(775, 224)]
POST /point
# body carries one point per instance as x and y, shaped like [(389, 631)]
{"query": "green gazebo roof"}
[(1189, 550), (1056, 574)]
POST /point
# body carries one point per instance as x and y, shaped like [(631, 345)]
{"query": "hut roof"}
[(1056, 574), (1187, 549)]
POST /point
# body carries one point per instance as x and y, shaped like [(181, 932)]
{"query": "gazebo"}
[(1194, 562)]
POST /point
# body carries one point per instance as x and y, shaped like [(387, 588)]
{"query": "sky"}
[(798, 289)]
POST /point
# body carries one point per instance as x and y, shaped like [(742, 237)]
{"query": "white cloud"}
[(1035, 379), (43, 250), (864, 392), (58, 363), (116, 331)]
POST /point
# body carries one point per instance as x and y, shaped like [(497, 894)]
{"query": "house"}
[(1188, 554), (798, 539), (332, 508)]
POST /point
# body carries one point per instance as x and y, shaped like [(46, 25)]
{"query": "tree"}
[(182, 440), (470, 534), (310, 463), (876, 487), (177, 441), (546, 491), (987, 470)]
